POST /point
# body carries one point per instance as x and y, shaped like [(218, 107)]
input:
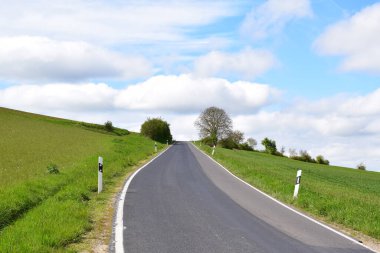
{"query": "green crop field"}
[(344, 196), (43, 212)]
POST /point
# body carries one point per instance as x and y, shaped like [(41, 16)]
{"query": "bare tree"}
[(252, 142), (237, 136), (214, 123), (292, 152)]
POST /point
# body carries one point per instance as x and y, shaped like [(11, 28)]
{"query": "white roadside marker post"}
[(100, 174), (167, 142), (297, 186), (155, 147), (213, 151)]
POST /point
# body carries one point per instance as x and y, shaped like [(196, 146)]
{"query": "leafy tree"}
[(214, 123), (252, 142), (270, 146), (157, 129)]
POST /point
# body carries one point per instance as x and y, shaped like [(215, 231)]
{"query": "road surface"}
[(185, 202)]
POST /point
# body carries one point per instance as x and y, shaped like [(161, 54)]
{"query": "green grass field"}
[(344, 196), (42, 212)]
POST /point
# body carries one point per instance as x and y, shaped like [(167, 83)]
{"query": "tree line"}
[(215, 128)]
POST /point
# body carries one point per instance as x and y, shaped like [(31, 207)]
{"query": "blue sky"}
[(305, 73)]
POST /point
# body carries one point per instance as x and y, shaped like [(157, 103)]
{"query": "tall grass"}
[(42, 212), (340, 195)]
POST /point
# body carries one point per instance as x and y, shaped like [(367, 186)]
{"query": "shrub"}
[(209, 141), (321, 160), (228, 143), (245, 146), (52, 169), (108, 126), (304, 157), (361, 166)]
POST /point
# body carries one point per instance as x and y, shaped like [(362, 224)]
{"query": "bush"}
[(321, 160), (52, 169), (228, 143), (361, 166), (245, 146), (157, 129), (108, 126), (304, 155), (209, 141)]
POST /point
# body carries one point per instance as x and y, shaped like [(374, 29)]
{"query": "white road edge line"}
[(288, 207), (119, 225)]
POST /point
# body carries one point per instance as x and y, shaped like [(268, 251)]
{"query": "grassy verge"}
[(99, 237), (42, 212), (337, 195)]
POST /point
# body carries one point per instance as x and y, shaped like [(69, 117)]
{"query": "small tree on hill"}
[(270, 146), (108, 126), (361, 166), (157, 129)]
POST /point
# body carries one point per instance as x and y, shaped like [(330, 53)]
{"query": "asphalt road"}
[(185, 202)]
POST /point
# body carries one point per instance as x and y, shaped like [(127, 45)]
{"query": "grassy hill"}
[(338, 195), (43, 212)]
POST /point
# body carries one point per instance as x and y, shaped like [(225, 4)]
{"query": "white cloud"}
[(357, 39), (341, 116), (346, 129), (271, 16), (58, 97), (345, 105), (111, 22), (174, 94), (39, 58), (188, 93), (247, 63)]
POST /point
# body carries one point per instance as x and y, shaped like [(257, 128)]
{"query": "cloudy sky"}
[(305, 73)]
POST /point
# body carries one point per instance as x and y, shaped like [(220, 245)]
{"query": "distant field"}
[(42, 212), (340, 195)]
